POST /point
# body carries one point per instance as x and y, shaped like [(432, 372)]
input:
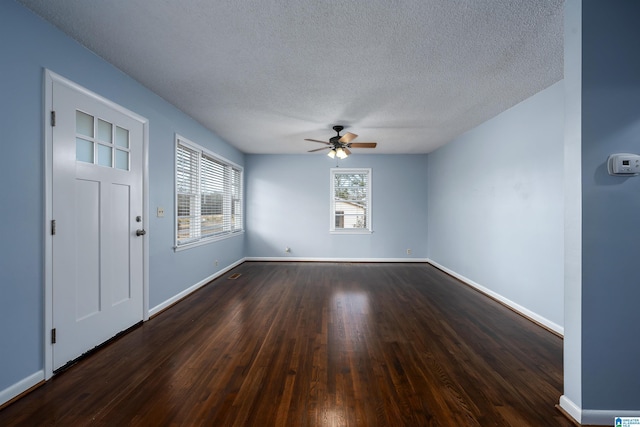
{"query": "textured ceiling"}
[(265, 74)]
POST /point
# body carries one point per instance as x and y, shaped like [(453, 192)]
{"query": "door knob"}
[(141, 232)]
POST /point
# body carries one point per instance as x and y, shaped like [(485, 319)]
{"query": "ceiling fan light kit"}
[(341, 153), (339, 145)]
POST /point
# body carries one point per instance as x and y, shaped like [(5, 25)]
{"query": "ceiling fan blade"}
[(346, 150), (363, 144), (315, 140), (318, 149), (348, 137)]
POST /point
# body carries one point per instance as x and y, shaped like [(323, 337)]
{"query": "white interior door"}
[(97, 206)]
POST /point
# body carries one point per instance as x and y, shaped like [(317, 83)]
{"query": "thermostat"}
[(624, 164)]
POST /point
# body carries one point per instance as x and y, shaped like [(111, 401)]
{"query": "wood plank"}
[(316, 344)]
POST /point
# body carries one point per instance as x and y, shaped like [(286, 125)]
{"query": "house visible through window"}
[(339, 219), (350, 200), (208, 195)]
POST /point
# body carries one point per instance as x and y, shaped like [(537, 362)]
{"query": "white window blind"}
[(208, 195), (350, 200)]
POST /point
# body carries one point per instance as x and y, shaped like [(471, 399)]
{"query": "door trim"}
[(49, 78)]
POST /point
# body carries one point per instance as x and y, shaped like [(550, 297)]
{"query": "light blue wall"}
[(610, 206), (288, 206), (496, 204), (29, 45)]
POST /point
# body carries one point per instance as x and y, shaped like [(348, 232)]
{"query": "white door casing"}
[(96, 264)]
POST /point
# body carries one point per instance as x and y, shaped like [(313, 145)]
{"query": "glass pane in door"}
[(84, 150), (122, 137), (84, 124), (122, 160), (105, 130), (104, 156)]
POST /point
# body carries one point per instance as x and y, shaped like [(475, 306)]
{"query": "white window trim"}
[(332, 223), (180, 140)]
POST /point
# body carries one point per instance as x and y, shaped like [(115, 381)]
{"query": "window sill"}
[(358, 231), (206, 241)]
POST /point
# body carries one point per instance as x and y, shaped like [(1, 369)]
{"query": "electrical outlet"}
[(216, 263), (160, 212), (408, 251), (287, 249)]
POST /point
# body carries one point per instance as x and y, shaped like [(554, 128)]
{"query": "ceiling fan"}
[(339, 145)]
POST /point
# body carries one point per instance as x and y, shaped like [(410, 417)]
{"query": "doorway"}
[(96, 245)]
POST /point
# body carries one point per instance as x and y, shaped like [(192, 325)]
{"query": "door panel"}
[(97, 258), (87, 250), (121, 273)]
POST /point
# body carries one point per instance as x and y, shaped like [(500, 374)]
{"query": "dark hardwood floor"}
[(316, 344)]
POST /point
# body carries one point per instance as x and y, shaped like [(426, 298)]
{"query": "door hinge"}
[(53, 227), (53, 118), (53, 336)]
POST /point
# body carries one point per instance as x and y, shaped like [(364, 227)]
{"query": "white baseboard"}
[(315, 259), (595, 417), (514, 306), (605, 417), (571, 409), (158, 308), (20, 387)]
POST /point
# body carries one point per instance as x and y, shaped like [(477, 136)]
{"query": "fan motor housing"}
[(335, 141)]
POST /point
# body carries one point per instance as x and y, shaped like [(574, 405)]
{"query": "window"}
[(101, 142), (350, 200), (208, 195)]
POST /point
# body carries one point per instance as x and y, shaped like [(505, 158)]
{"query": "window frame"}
[(332, 204), (233, 197)]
